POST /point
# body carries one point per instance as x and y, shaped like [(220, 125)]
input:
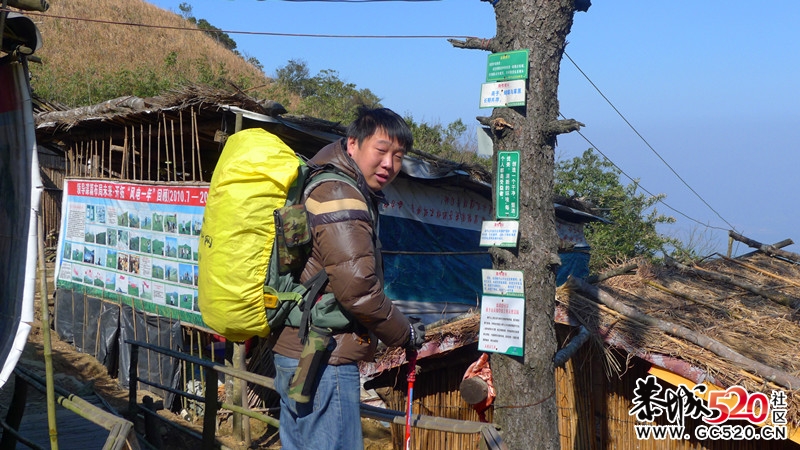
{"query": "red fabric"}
[(480, 368)]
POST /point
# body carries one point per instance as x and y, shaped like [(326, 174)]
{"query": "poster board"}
[(133, 243)]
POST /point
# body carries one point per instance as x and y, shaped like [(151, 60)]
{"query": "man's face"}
[(378, 157)]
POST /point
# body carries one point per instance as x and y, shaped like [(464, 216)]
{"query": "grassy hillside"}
[(89, 61)]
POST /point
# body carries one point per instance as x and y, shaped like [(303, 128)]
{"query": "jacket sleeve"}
[(344, 247)]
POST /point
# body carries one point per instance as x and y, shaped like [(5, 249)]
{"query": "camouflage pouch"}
[(292, 234), (314, 355)]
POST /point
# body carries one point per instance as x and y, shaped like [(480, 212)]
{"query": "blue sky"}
[(711, 86)]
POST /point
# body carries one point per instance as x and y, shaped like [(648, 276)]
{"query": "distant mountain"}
[(89, 56)]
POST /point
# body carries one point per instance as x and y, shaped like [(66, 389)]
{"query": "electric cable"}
[(648, 146), (266, 33), (639, 185), (256, 33)]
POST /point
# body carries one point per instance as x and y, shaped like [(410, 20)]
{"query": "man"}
[(343, 218)]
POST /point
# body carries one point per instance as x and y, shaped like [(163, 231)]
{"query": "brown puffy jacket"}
[(345, 246)]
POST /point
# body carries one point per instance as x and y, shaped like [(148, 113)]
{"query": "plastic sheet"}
[(21, 188), (572, 263), (155, 367), (90, 324)]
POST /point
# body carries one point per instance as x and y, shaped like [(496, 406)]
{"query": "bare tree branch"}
[(474, 44), (768, 249), (621, 270), (564, 126)]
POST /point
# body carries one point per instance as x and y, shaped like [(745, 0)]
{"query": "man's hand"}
[(417, 337)]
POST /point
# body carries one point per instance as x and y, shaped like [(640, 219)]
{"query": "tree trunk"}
[(525, 407)]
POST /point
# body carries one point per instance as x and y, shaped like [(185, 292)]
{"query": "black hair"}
[(370, 120)]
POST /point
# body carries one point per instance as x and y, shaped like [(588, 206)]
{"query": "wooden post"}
[(158, 152), (197, 140), (133, 379), (151, 433), (141, 153), (183, 158), (238, 127), (210, 413), (241, 424), (123, 171), (47, 344), (474, 390), (133, 149), (103, 161), (150, 152), (191, 142), (174, 158)]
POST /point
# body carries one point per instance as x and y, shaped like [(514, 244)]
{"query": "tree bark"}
[(525, 406)]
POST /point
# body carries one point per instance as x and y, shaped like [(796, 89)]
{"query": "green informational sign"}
[(507, 185), (507, 66)]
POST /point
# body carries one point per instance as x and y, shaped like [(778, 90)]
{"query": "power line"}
[(648, 145), (266, 33), (643, 188), (356, 1), (258, 33)]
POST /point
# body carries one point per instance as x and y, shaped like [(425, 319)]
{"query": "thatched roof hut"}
[(195, 118), (722, 322)]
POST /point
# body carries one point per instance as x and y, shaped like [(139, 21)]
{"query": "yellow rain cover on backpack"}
[(250, 181)]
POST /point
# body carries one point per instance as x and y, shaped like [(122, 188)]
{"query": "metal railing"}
[(121, 434), (212, 369)]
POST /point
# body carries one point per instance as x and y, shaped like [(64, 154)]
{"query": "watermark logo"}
[(651, 401)]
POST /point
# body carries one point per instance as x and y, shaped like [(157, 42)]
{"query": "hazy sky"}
[(710, 86)]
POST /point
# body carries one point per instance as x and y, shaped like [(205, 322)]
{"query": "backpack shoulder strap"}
[(321, 174), (327, 173)]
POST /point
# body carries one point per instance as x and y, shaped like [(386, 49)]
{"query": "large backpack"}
[(255, 240)]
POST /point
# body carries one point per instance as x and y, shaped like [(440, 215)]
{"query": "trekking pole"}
[(411, 357)]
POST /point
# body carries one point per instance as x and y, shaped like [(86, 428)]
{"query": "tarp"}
[(430, 235), (155, 367), (19, 204), (90, 324)]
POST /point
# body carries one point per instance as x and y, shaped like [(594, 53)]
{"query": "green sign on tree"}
[(507, 185), (507, 66)]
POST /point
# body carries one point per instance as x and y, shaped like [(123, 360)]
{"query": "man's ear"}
[(352, 145)]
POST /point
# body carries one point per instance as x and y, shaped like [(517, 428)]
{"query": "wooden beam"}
[(768, 249)]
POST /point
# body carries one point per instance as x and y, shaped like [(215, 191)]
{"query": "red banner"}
[(171, 195)]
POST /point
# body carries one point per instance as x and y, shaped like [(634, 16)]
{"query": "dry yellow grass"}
[(80, 51)]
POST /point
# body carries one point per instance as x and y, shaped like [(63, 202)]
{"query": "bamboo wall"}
[(593, 408), (435, 394), (51, 203), (166, 150)]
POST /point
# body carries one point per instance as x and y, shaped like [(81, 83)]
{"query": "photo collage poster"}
[(133, 243)]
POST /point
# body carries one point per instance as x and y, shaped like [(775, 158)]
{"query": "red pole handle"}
[(411, 356)]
